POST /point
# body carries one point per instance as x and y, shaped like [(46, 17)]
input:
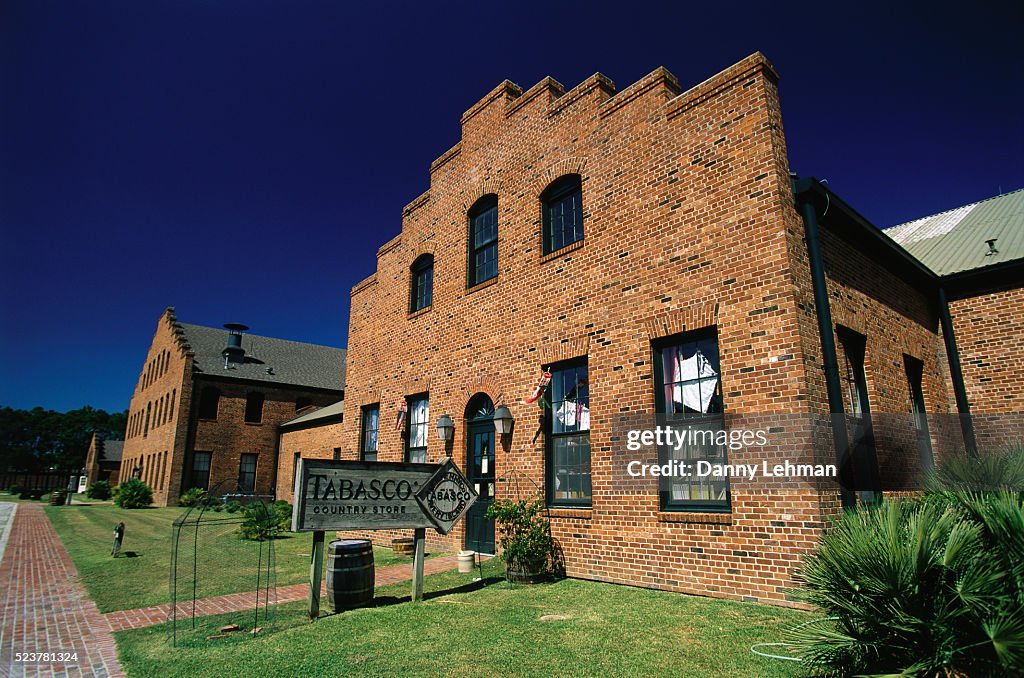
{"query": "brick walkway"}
[(238, 602), (43, 608)]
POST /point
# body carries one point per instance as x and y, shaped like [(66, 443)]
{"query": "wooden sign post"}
[(355, 495)]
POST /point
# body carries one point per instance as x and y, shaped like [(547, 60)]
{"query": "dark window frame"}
[(243, 473), (551, 470), (482, 241), (366, 454), (713, 419), (558, 231), (252, 416), (205, 408), (421, 283), (410, 430), (209, 467)]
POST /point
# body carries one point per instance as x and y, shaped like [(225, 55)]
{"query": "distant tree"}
[(37, 439)]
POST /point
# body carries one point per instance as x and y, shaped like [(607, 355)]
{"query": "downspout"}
[(957, 374), (828, 341)]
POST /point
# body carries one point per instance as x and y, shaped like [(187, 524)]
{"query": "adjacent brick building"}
[(209, 403), (103, 460), (977, 251)]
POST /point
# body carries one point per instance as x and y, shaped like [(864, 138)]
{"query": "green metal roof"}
[(955, 241)]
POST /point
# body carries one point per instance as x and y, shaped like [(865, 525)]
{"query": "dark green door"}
[(480, 472)]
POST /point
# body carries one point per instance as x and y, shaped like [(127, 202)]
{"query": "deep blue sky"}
[(243, 160)]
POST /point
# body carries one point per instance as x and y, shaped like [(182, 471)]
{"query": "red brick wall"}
[(689, 223), (230, 436), (315, 442), (159, 450)]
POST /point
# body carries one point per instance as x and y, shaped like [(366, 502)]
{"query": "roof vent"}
[(233, 352), (991, 247)]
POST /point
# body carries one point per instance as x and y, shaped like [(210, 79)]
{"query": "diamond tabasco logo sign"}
[(446, 497), (356, 495)]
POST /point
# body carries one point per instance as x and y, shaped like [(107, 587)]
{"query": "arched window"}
[(421, 288), (562, 203), (483, 240)]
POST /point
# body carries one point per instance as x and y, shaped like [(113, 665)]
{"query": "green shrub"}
[(525, 534), (15, 489), (989, 470), (264, 521), (132, 494), (233, 506), (919, 588), (193, 497), (33, 493), (99, 490)]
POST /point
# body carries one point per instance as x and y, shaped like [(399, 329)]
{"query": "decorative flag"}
[(402, 409), (545, 379)]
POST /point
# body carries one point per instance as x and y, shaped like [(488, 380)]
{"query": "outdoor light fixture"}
[(445, 428), (503, 420)]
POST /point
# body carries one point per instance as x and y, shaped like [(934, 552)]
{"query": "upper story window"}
[(568, 440), (368, 433), (688, 397), (254, 407), (563, 213), (483, 240), (421, 288), (854, 380), (209, 402), (417, 430)]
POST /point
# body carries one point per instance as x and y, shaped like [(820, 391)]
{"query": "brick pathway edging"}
[(122, 620), (44, 608)]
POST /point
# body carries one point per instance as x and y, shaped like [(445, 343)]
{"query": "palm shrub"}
[(99, 490), (919, 588), (261, 521), (132, 494), (525, 535)]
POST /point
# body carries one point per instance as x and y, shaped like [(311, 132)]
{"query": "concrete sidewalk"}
[(44, 609)]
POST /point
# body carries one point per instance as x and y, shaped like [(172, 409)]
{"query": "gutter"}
[(824, 314)]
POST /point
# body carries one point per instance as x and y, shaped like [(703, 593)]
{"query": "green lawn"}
[(228, 564), (466, 629)]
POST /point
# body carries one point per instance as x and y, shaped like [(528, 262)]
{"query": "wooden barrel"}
[(402, 547), (350, 573), (58, 498)]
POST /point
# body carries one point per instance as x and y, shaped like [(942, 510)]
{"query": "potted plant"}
[(525, 538)]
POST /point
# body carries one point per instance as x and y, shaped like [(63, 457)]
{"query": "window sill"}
[(574, 513), (253, 423), (420, 312), (562, 252), (484, 284), (699, 518)]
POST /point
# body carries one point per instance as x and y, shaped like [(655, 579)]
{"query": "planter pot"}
[(521, 577), (402, 547), (466, 561)]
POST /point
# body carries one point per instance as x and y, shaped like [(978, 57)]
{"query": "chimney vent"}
[(991, 247), (233, 352)]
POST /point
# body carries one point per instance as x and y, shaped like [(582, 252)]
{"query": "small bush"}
[(266, 522), (33, 493), (526, 542), (15, 489), (99, 490), (193, 497), (132, 494), (233, 506)]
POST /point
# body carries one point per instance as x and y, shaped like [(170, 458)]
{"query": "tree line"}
[(37, 440)]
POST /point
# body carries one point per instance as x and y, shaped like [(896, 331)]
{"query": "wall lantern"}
[(445, 428), (503, 420)]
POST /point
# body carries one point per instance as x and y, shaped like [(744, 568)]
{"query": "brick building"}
[(103, 460), (311, 435), (649, 252), (209, 402)]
